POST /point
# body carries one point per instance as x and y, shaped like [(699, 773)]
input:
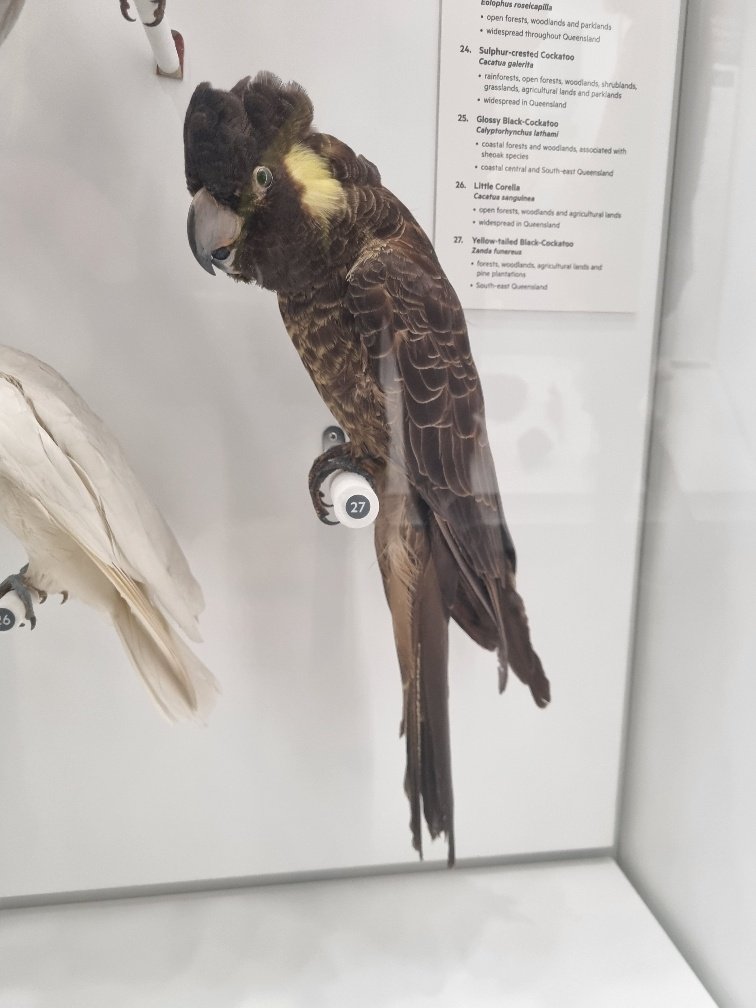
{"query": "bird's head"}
[(264, 198)]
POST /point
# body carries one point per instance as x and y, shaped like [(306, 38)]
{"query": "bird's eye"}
[(222, 253), (264, 177)]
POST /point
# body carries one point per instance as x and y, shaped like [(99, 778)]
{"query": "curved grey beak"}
[(210, 226)]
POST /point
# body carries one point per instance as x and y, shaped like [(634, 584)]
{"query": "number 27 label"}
[(358, 506)]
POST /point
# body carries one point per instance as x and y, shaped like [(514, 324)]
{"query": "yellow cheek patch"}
[(322, 195)]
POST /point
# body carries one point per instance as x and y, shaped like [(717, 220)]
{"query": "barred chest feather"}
[(337, 362)]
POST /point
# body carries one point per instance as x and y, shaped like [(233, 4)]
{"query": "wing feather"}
[(65, 485), (404, 306), (93, 473), (414, 330)]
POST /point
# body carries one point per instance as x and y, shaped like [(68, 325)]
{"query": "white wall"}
[(689, 819), (301, 767)]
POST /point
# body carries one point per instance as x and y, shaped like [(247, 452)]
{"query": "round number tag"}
[(7, 619), (358, 506)]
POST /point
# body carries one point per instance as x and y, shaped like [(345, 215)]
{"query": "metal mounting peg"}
[(332, 435), (355, 503)]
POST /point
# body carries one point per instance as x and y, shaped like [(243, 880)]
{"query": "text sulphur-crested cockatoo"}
[(90, 531)]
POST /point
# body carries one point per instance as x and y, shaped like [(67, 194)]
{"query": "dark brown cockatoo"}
[(382, 335)]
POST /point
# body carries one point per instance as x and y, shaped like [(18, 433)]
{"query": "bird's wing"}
[(412, 325), (34, 465), (59, 496), (79, 473)]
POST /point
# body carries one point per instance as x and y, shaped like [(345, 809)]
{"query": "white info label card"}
[(553, 123)]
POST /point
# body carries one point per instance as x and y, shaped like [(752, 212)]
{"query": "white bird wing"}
[(63, 456)]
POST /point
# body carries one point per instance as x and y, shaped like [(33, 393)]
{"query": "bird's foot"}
[(159, 12), (19, 584), (340, 458)]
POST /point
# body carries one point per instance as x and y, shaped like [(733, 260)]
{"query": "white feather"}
[(68, 493)]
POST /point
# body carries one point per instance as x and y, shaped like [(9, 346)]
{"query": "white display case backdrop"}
[(300, 767), (299, 770)]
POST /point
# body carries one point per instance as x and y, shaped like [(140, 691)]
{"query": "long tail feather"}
[(519, 652), (418, 600), (489, 608), (428, 780), (166, 665)]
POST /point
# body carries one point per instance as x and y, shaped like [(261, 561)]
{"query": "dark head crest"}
[(228, 133), (275, 109)]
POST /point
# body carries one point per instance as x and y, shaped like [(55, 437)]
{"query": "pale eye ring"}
[(263, 177)]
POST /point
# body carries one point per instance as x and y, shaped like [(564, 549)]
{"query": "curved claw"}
[(321, 508), (338, 458)]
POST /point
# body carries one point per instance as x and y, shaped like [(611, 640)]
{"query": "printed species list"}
[(549, 133)]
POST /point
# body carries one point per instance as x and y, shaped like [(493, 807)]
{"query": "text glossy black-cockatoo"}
[(382, 334)]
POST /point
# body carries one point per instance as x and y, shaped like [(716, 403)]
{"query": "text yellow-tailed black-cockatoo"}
[(382, 334)]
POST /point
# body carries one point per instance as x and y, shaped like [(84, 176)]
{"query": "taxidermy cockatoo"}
[(382, 334), (90, 531)]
